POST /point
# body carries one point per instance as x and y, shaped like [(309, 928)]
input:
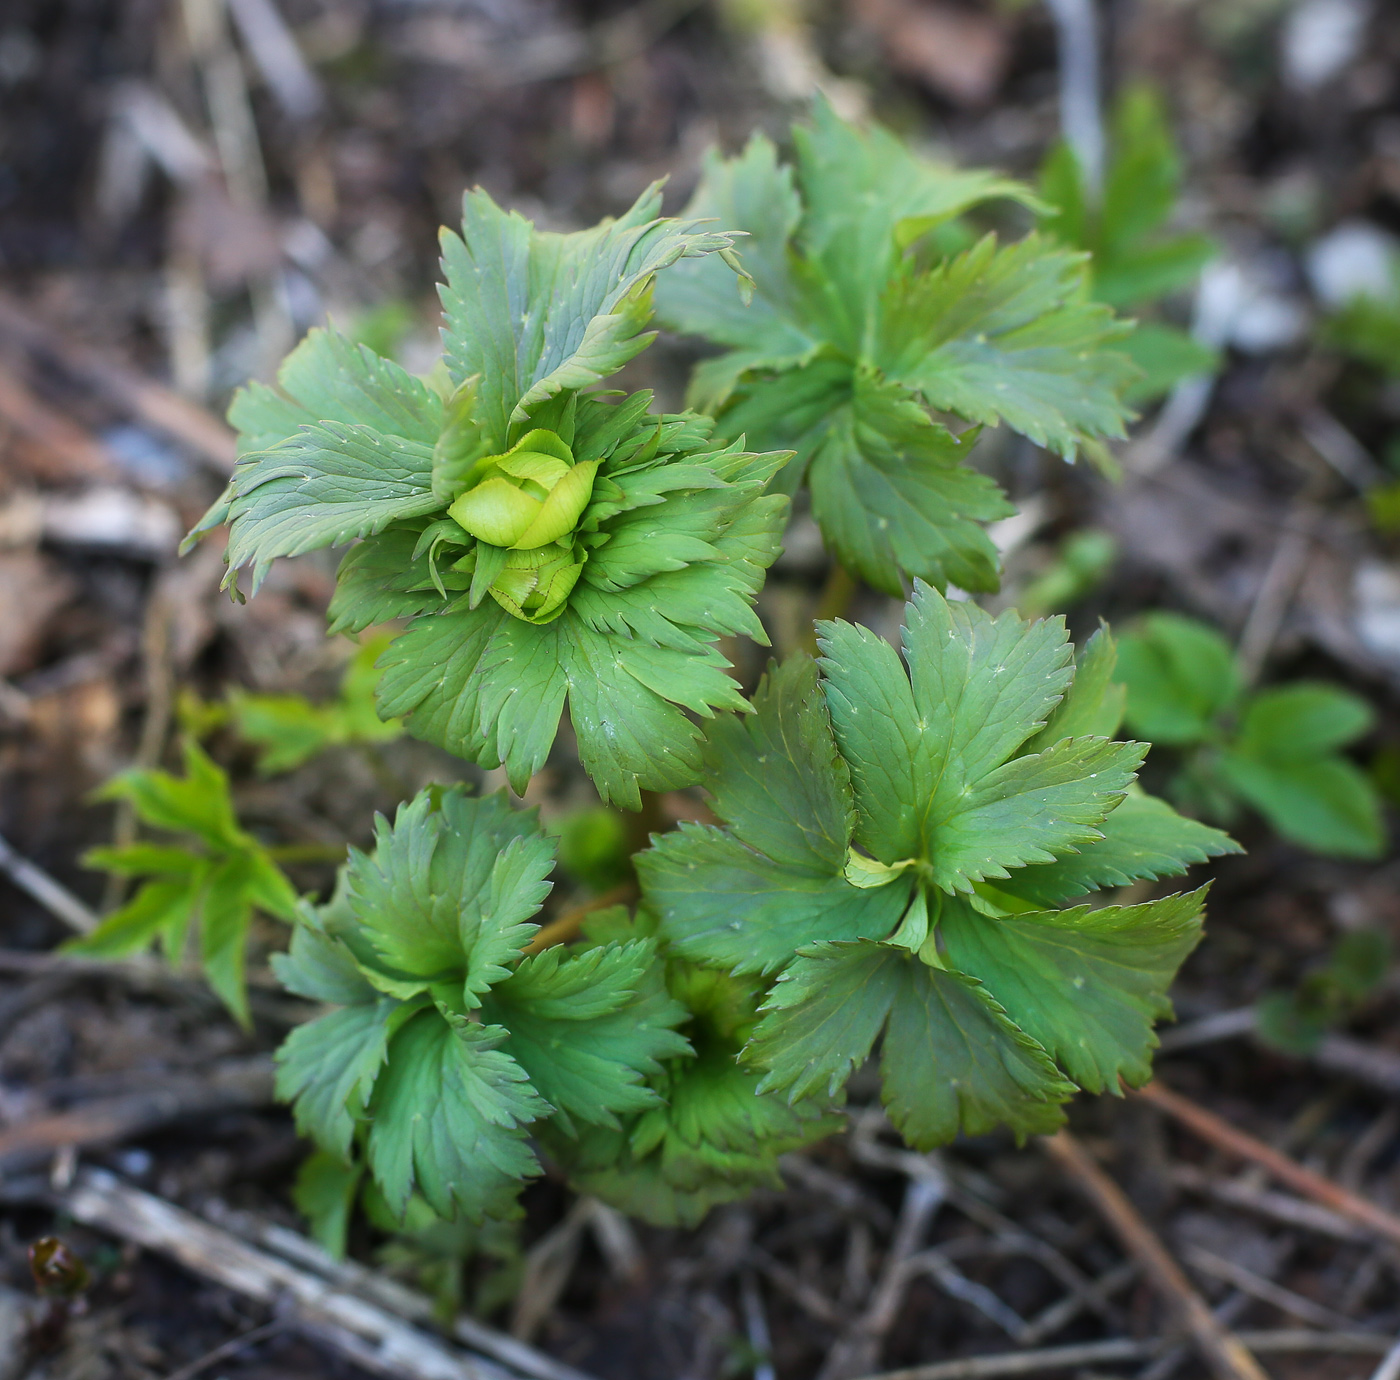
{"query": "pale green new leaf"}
[(1087, 984), (533, 313)]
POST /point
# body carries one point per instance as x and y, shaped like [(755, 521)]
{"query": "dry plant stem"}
[(242, 1083), (1276, 592), (1223, 1353), (153, 403), (1389, 1368), (55, 898), (388, 1293), (566, 926), (1220, 1133), (1277, 1207), (228, 1349), (379, 1340), (1053, 1359)]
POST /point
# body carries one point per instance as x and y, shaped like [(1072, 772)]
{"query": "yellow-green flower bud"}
[(531, 496), (535, 584)]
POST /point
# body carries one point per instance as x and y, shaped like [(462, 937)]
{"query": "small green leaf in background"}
[(1295, 1021), (1082, 563), (1180, 676), (289, 729), (594, 846), (210, 885), (1278, 750), (1137, 259)]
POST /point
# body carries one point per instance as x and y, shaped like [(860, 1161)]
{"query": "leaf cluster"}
[(209, 883), (1135, 258), (1278, 750), (860, 328), (910, 846), (651, 549)]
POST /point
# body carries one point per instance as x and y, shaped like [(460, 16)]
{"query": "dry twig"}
[(240, 1083), (1223, 1352), (1239, 1143), (364, 1331), (53, 896), (1058, 1358)]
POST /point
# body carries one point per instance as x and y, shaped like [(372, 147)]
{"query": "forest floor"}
[(177, 203)]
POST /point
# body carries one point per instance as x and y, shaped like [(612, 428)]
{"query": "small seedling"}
[(1278, 750), (210, 883), (1136, 259)]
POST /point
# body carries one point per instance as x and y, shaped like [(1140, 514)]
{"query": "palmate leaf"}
[(1087, 984), (590, 1030), (715, 1139), (1144, 838), (533, 313), (342, 448), (1009, 334), (449, 1115), (745, 898), (449, 890), (929, 758), (982, 754), (952, 1059), (852, 338), (421, 952)]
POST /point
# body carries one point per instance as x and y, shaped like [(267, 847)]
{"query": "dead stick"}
[(239, 1084), (152, 402), (374, 1337), (1223, 1352), (1235, 1142), (1287, 1341)]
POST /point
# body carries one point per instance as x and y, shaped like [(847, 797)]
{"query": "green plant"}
[(1277, 749), (862, 325), (1135, 260), (899, 837), (545, 542), (899, 843), (1296, 1019), (211, 883)]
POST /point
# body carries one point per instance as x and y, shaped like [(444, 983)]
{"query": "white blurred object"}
[(1320, 38), (1357, 259), (1238, 304), (118, 519), (1378, 610)]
